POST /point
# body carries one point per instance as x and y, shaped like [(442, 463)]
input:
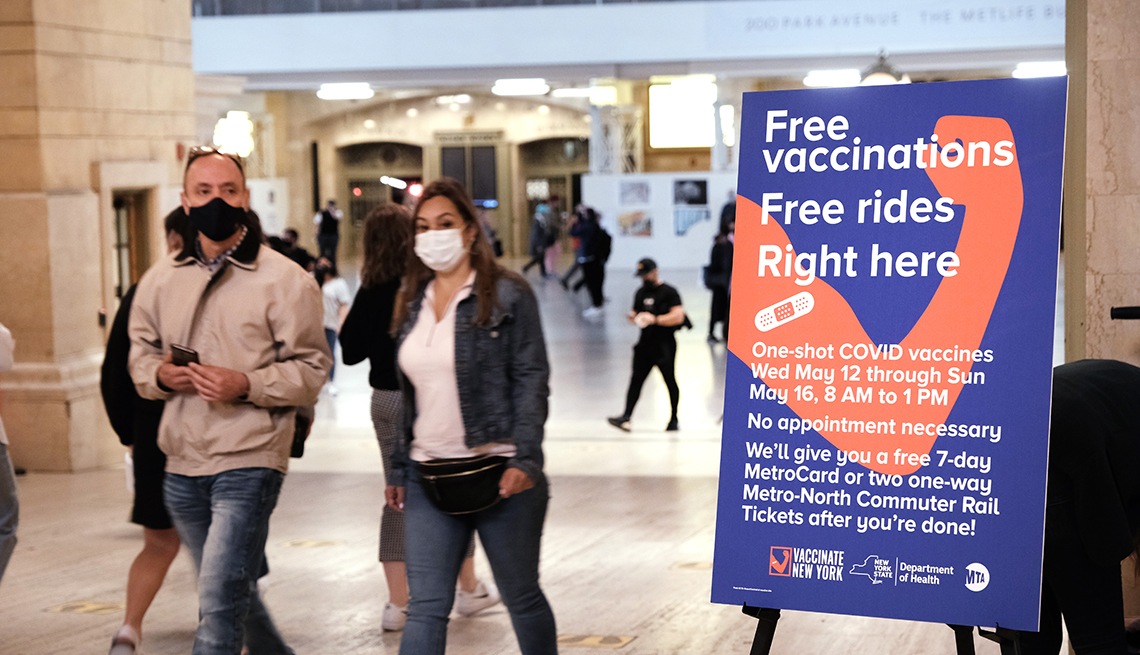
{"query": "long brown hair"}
[(487, 270), (387, 240)]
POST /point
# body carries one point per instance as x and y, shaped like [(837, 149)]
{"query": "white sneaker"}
[(592, 312), (394, 617), (473, 602)]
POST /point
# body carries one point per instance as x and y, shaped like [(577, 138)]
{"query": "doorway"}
[(132, 238)]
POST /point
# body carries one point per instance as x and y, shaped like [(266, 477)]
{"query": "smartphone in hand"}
[(182, 356)]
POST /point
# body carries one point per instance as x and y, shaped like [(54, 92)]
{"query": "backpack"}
[(602, 244)]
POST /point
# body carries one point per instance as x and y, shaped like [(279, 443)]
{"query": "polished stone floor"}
[(626, 553)]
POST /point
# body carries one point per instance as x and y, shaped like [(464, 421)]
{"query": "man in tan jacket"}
[(228, 333)]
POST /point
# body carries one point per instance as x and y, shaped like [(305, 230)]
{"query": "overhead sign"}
[(887, 396)]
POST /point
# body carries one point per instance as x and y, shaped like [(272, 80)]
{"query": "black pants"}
[(645, 356), (718, 313), (328, 244), (594, 275), (540, 259), (1087, 593)]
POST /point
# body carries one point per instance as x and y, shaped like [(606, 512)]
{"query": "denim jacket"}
[(503, 378)]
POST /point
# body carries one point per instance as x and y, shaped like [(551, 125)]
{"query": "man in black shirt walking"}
[(658, 312)]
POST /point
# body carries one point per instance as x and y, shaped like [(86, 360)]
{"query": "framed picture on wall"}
[(690, 192), (634, 192), (635, 224)]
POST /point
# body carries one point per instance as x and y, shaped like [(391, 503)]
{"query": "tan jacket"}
[(261, 315)]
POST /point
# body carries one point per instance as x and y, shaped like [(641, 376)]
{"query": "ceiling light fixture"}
[(882, 73), (527, 86), (1030, 69), (346, 91)]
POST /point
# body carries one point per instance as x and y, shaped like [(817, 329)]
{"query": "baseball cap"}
[(644, 266)]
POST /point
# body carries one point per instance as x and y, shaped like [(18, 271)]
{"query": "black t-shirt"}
[(658, 301)]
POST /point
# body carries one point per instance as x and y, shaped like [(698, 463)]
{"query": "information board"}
[(886, 409)]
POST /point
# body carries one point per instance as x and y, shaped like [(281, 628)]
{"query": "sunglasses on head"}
[(202, 151)]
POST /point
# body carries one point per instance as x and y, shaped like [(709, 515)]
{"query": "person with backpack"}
[(593, 251)]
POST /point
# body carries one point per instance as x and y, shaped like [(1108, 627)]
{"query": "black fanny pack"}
[(462, 486)]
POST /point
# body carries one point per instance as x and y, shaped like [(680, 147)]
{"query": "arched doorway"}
[(373, 174)]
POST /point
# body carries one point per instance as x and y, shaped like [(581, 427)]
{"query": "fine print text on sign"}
[(887, 396)]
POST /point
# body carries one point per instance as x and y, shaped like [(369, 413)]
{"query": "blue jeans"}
[(330, 336), (9, 509), (510, 532), (224, 520)]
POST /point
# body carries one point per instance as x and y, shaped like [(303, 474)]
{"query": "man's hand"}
[(176, 378), (394, 496), (217, 384), (644, 319), (514, 481)]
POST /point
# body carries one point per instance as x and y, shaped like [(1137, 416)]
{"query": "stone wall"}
[(96, 95), (1102, 200)]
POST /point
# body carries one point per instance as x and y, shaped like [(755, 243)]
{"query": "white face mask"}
[(440, 250)]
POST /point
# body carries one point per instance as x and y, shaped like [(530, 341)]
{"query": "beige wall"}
[(88, 87)]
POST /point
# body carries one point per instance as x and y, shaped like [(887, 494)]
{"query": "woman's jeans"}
[(510, 532), (224, 520), (330, 336)]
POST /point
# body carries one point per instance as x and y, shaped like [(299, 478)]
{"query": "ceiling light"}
[(881, 73), (234, 133), (393, 182), (369, 124), (413, 112), (500, 106), (832, 78), (461, 99), (528, 86), (1030, 69), (453, 106), (346, 91), (543, 109)]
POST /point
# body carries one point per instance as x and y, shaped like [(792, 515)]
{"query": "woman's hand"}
[(394, 496), (514, 481)]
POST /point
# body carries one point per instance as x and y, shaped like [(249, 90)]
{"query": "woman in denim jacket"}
[(474, 373)]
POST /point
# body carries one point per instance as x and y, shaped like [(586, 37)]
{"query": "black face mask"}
[(217, 220)]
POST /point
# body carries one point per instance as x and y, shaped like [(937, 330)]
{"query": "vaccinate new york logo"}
[(779, 561), (806, 563)]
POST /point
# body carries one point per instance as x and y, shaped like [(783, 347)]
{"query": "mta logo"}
[(977, 577), (780, 561)]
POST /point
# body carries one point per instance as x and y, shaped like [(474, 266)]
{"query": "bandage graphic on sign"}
[(784, 311)]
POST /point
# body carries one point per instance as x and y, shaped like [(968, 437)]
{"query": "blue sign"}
[(886, 412)]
